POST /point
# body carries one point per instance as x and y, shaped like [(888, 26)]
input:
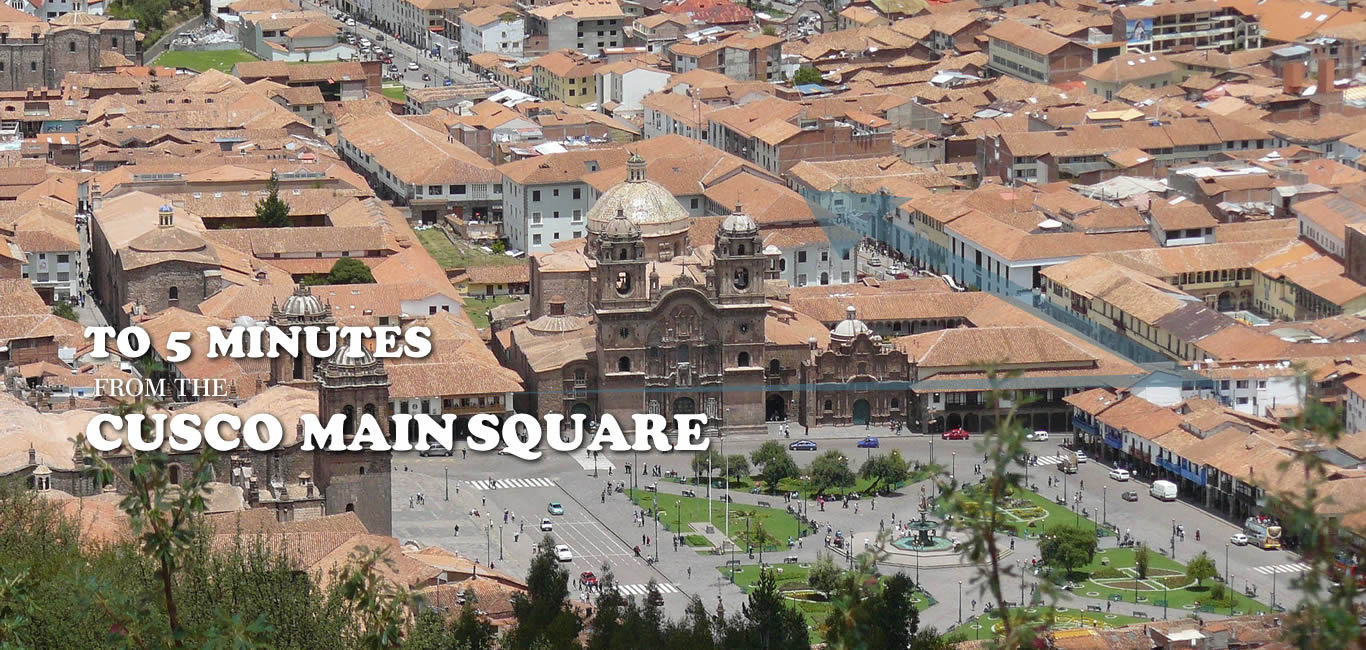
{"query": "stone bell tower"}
[(359, 481)]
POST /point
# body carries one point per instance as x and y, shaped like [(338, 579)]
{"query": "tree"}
[(830, 470), (64, 309), (885, 470), (1067, 547), (775, 463), (470, 630), (766, 621), (770, 30), (894, 609), (607, 617), (1141, 561), (499, 247), (349, 270), (736, 467), (1201, 567), (545, 620), (824, 575), (271, 212), (806, 75), (695, 631), (709, 459)]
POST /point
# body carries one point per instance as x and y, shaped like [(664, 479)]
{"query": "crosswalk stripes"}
[(1049, 460), (641, 590), (1281, 568), (504, 483)]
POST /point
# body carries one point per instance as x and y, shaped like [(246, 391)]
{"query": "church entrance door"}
[(684, 406), (776, 408), (862, 411)]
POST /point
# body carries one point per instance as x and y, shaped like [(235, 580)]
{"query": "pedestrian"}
[(689, 573), (410, 503), (1012, 543), (457, 530), (642, 540), (799, 543), (462, 453), (483, 501)]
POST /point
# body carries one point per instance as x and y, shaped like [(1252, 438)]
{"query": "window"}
[(825, 256), (33, 65), (535, 218), (801, 257), (577, 234), (536, 239), (844, 255), (173, 294), (71, 47), (535, 195), (578, 193), (577, 216), (624, 364), (434, 189), (829, 405), (742, 359)]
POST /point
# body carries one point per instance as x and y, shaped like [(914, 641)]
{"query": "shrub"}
[(1106, 572)]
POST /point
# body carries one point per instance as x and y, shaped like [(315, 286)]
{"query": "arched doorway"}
[(775, 408), (862, 411), (1040, 421), (582, 409), (970, 422), (954, 421), (1225, 301), (684, 406)]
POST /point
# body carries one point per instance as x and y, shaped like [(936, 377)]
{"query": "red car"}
[(588, 579), (955, 434)]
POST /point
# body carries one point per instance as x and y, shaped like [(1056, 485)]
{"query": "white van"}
[(1163, 490)]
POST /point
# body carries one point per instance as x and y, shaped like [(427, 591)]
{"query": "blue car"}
[(868, 443), (802, 445)]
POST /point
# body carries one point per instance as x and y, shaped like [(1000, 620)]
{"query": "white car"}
[(562, 553), (412, 65), (1081, 457), (546, 525), (1039, 436), (1119, 474), (350, 22), (1238, 539)]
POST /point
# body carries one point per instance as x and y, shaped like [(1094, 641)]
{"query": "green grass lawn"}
[(778, 523), (396, 93), (477, 308), (1064, 618), (801, 486), (793, 578), (1180, 593), (1038, 513), (200, 61), (462, 254)]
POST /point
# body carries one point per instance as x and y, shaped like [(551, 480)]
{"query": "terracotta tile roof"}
[(567, 167), (1127, 68), (580, 9), (416, 154), (1011, 346), (1187, 214), (1026, 37), (499, 274)]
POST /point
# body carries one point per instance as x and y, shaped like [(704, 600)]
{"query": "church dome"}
[(344, 359), (619, 227), (302, 303), (850, 327), (739, 223), (644, 202)]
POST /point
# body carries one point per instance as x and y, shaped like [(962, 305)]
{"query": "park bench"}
[(689, 493), (1093, 608), (733, 563), (765, 504), (791, 559)]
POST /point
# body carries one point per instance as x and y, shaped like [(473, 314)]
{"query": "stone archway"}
[(1225, 302), (954, 421), (684, 406), (775, 408), (970, 423), (862, 411), (582, 408)]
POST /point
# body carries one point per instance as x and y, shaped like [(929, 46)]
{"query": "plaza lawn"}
[(222, 60), (477, 308), (396, 93), (1161, 569), (778, 523), (461, 254), (1035, 513), (792, 579), (1064, 618)]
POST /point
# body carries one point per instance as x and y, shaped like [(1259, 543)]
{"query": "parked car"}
[(350, 22), (1238, 539), (1131, 495), (412, 65), (1039, 436), (393, 68), (802, 445), (1164, 490), (436, 450), (1081, 456), (563, 554), (546, 526), (955, 434), (875, 261), (653, 487), (588, 579), (1119, 474), (555, 508), (868, 443), (379, 37)]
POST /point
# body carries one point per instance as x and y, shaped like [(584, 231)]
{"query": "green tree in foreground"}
[(830, 470), (545, 621), (271, 212), (767, 621), (824, 575), (1067, 547), (887, 471), (1201, 567), (736, 467), (774, 462)]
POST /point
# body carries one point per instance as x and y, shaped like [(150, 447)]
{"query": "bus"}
[(1263, 533)]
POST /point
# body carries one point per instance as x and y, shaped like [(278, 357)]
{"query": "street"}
[(403, 53), (602, 533)]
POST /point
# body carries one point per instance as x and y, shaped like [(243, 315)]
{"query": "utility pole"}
[(447, 472)]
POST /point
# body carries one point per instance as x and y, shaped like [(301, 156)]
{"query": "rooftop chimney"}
[(557, 305), (1292, 76), (1326, 70)]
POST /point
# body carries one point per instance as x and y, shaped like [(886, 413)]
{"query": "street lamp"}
[(953, 469), (447, 472), (488, 544), (1105, 505), (678, 527), (500, 541), (1228, 580), (656, 537), (960, 602), (1173, 539)]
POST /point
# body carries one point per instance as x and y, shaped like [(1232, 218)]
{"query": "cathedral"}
[(637, 318)]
